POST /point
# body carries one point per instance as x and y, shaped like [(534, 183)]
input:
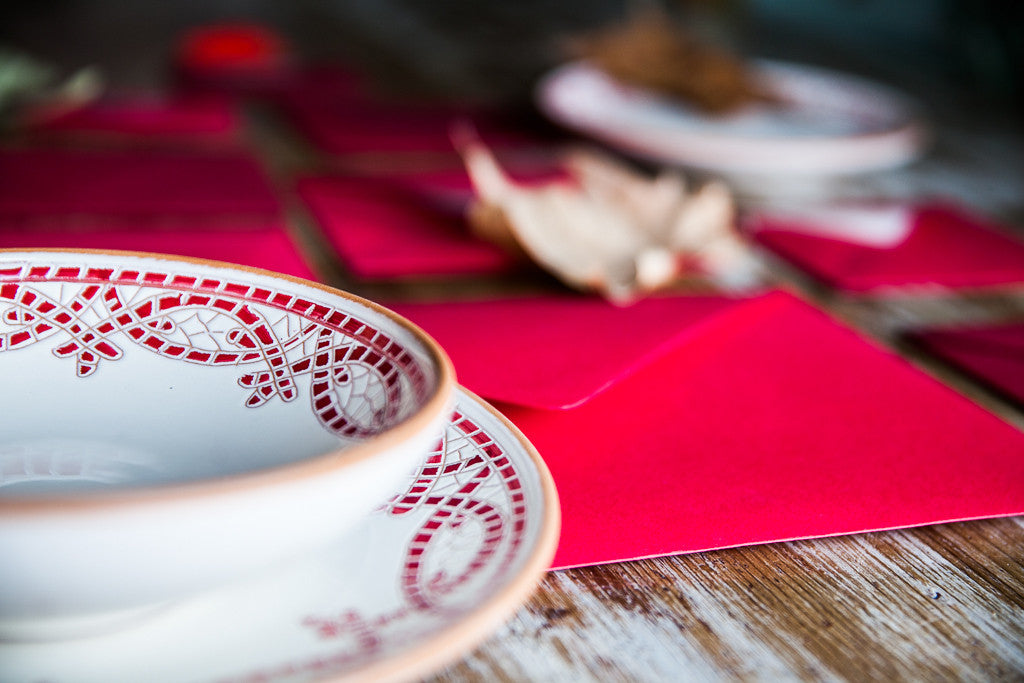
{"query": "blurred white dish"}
[(170, 425), (420, 582), (881, 225), (825, 123)]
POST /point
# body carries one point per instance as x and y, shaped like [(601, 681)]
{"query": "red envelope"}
[(568, 368), (354, 122), (270, 249), (993, 354), (49, 186), (451, 188), (174, 120), (758, 421), (946, 247), (380, 231)]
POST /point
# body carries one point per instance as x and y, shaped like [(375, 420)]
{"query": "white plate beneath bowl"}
[(417, 584), (827, 123)]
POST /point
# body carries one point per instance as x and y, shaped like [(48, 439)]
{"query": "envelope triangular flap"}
[(558, 352)]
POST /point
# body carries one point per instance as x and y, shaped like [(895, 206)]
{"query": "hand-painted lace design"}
[(361, 380), (466, 501)]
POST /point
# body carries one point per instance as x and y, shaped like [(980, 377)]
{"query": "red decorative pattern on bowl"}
[(92, 313)]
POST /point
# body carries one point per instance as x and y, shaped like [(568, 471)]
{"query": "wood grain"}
[(937, 603)]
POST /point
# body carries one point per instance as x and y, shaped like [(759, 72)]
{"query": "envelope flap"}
[(557, 352)]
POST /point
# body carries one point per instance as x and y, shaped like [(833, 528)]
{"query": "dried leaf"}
[(650, 51), (614, 231), (651, 203)]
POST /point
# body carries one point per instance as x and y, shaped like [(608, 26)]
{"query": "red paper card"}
[(172, 120), (562, 365), (451, 188), (764, 421), (946, 247), (993, 354), (353, 121), (380, 231), (269, 249), (46, 186)]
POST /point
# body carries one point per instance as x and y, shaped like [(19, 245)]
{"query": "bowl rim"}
[(436, 407)]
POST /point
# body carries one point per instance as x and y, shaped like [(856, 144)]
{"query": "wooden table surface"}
[(936, 603)]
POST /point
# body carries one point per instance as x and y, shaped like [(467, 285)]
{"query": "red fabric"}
[(270, 249), (36, 185), (380, 231), (766, 422), (993, 355), (947, 247)]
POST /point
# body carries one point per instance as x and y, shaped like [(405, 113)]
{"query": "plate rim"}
[(903, 142), (480, 624)]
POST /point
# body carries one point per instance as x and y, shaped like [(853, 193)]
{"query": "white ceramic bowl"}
[(169, 425)]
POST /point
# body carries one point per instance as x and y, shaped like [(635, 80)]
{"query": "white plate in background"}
[(825, 122)]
